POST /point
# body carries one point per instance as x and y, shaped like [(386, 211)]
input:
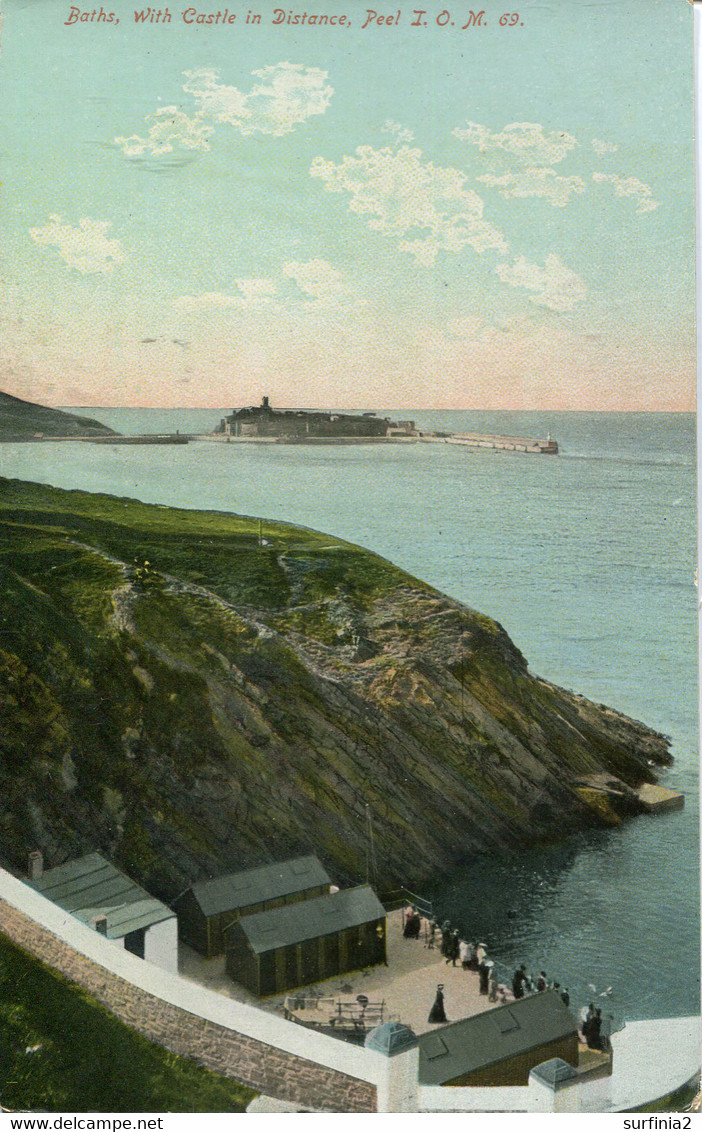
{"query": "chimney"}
[(35, 865), (100, 924)]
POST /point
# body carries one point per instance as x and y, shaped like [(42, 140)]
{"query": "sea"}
[(588, 561)]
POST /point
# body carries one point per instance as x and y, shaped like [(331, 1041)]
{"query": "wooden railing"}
[(402, 897)]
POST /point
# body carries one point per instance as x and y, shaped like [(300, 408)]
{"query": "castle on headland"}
[(264, 420)]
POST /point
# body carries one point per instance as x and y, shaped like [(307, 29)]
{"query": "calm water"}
[(586, 559)]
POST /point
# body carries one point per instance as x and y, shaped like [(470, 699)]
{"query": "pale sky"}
[(494, 217)]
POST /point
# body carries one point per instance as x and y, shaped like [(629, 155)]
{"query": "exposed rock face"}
[(190, 701), (23, 420)]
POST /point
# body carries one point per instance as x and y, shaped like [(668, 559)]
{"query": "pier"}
[(546, 447)]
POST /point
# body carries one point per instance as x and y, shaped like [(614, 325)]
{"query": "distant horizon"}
[(365, 215), (384, 409), (363, 408)]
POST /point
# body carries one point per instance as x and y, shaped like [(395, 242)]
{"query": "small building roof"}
[(554, 1072), (269, 882), (309, 919), (493, 1036), (91, 887), (391, 1038)]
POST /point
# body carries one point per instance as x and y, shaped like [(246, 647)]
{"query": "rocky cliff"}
[(190, 697)]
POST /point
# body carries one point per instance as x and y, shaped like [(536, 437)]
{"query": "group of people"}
[(523, 983), (456, 951), (473, 957)]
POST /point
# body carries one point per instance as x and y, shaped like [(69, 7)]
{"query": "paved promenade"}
[(407, 985)]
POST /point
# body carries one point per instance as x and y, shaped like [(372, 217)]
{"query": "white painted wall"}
[(399, 1092), (367, 1065), (470, 1098), (161, 945)]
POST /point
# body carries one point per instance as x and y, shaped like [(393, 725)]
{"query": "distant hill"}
[(22, 420)]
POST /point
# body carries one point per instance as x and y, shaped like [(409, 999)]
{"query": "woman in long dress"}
[(437, 1014)]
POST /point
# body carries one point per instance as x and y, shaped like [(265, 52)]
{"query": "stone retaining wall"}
[(262, 1067)]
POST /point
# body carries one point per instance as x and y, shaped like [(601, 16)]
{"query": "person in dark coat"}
[(437, 1014), (565, 996), (454, 947), (594, 1040), (446, 939), (518, 980), (484, 975), (412, 924)]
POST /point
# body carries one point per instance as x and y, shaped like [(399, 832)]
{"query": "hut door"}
[(266, 978), (330, 953), (292, 974), (309, 953), (134, 942)]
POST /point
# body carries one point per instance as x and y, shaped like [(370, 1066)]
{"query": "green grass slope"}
[(61, 1051), (232, 703)]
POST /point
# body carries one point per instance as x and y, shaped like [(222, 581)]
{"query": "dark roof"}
[(493, 1036), (269, 882), (309, 919), (91, 887)]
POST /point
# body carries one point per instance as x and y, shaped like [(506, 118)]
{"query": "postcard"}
[(348, 641)]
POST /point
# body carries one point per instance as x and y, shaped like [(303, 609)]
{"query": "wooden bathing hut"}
[(210, 905), (272, 952), (98, 894), (500, 1046)]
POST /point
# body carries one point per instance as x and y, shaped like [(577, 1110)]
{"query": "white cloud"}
[(526, 141), (629, 187), (85, 248), (317, 278), (602, 147), (256, 290), (252, 292), (208, 300), (402, 135), (285, 95), (403, 195), (172, 130), (554, 286), (544, 183)]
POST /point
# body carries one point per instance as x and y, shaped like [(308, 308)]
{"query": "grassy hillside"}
[(23, 420), (61, 1051), (188, 701)]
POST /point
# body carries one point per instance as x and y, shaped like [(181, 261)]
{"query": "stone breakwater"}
[(546, 447)]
